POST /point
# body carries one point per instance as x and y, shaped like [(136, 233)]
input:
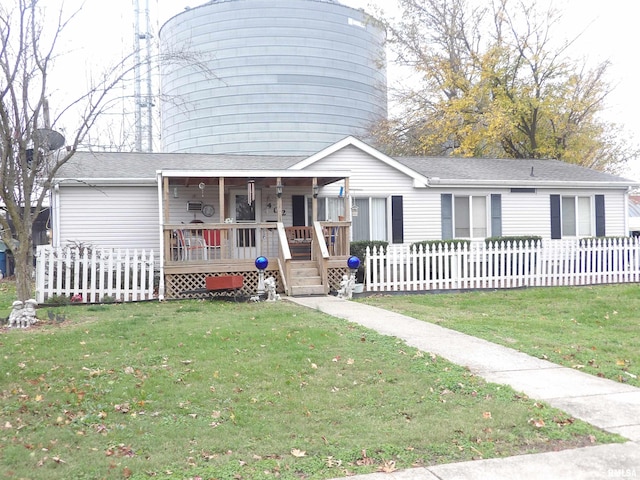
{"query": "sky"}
[(102, 31)]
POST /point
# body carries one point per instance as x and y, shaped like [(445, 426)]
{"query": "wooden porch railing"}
[(223, 242), (219, 242)]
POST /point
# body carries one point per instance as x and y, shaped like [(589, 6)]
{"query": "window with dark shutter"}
[(446, 215), (397, 219), (496, 215), (556, 219), (600, 216)]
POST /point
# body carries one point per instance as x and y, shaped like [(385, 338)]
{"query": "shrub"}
[(359, 249), (58, 300), (430, 245), (528, 240)]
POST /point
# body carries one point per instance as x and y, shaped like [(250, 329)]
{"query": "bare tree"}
[(30, 149)]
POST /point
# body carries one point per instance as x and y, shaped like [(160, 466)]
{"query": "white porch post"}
[(163, 217)]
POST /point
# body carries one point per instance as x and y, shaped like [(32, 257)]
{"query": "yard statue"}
[(270, 285), (23, 315), (347, 285)]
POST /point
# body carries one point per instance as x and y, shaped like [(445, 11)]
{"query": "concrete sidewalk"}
[(610, 405)]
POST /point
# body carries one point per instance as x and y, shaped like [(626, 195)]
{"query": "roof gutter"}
[(83, 182), (436, 182)]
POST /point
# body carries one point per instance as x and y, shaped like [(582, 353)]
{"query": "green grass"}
[(594, 329), (246, 391)]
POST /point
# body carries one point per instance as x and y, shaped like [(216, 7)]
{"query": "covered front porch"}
[(218, 223)]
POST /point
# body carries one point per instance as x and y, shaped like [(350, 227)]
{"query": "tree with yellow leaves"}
[(492, 82)]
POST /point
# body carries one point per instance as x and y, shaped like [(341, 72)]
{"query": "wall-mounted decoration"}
[(208, 210)]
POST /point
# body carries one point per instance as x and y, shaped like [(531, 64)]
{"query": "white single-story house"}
[(214, 214)]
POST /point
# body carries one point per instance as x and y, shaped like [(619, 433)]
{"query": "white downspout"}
[(161, 285), (54, 213)]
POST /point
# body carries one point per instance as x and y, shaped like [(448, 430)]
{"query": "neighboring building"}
[(135, 200)]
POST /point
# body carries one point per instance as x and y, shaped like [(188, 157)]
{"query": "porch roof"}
[(261, 177)]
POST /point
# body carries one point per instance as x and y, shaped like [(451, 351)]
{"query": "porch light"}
[(354, 210), (315, 191), (279, 190)]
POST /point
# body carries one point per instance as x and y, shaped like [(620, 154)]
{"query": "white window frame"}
[(578, 209), (487, 220), (386, 228)]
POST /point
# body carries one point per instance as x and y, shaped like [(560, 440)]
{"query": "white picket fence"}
[(89, 275), (502, 265)]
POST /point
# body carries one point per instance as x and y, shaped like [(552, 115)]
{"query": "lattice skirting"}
[(334, 276), (177, 283)]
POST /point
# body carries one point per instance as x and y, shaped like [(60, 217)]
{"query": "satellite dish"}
[(48, 139)]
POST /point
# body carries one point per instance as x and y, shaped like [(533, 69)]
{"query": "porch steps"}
[(305, 279)]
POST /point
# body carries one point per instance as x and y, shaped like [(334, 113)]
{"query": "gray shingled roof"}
[(505, 170), (142, 166), (116, 165)]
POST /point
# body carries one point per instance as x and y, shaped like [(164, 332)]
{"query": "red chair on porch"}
[(212, 240)]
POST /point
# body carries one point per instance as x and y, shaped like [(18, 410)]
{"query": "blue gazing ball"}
[(261, 262), (353, 263)]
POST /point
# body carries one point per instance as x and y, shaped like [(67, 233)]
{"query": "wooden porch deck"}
[(194, 251)]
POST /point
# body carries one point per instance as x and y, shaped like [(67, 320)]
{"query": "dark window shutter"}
[(297, 204), (496, 215), (397, 220), (556, 219), (600, 216), (446, 215)]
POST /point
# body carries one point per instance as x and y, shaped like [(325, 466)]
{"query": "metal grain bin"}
[(282, 77)]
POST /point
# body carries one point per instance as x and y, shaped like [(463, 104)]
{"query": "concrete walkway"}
[(612, 406)]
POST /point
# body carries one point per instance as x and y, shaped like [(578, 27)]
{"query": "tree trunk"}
[(23, 258)]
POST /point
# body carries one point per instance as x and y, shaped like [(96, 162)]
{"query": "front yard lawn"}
[(202, 389), (595, 329)]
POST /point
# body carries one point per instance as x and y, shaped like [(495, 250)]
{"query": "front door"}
[(246, 240), (298, 214)]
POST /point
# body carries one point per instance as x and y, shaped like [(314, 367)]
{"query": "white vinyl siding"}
[(113, 217), (373, 179)]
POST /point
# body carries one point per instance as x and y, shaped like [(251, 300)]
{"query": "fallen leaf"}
[(537, 422), (388, 466), (350, 361), (486, 415), (298, 453)]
